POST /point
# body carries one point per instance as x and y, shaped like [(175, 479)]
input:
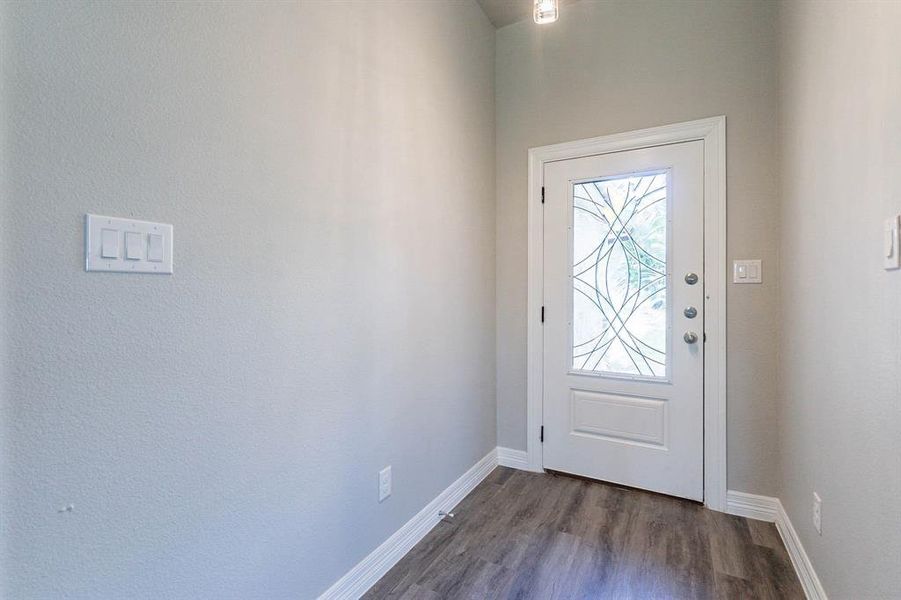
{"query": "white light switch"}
[(155, 248), (109, 243), (747, 271), (754, 270), (147, 246), (891, 241), (134, 245)]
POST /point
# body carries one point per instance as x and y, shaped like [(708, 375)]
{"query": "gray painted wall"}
[(839, 416), (329, 170), (607, 67)]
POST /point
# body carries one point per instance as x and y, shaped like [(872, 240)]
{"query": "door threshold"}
[(618, 485)]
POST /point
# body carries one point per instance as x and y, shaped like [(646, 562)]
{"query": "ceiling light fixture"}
[(545, 11)]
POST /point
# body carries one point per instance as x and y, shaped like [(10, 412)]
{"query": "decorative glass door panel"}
[(619, 283), (623, 272)]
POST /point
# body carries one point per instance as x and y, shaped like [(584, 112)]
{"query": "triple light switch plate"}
[(117, 245)]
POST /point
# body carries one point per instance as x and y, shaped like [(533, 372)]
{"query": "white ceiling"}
[(505, 12)]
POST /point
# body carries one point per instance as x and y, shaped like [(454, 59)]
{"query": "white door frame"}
[(712, 132)]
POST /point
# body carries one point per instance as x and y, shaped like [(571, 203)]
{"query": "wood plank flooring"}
[(542, 536)]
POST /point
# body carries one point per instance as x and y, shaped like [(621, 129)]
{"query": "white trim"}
[(813, 589), (368, 571), (765, 508), (535, 300), (515, 459), (713, 133), (752, 506)]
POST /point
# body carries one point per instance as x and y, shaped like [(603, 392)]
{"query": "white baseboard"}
[(765, 508), (752, 506), (515, 459), (809, 580), (368, 571)]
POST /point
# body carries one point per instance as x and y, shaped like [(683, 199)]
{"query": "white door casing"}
[(712, 132), (623, 392)]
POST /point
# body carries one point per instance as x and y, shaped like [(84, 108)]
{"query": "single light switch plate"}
[(891, 254), (384, 483), (747, 271), (119, 245), (817, 513)]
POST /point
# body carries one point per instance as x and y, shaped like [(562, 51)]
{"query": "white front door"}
[(624, 318)]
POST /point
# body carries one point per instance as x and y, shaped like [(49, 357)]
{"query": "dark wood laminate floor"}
[(529, 535)]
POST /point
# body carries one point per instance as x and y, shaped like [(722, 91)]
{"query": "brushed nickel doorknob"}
[(690, 337), (690, 311), (691, 278)]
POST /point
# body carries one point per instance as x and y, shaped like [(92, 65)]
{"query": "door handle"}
[(690, 337), (690, 312), (691, 278)]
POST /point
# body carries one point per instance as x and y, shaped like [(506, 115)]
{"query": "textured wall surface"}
[(840, 411), (607, 67), (329, 170)]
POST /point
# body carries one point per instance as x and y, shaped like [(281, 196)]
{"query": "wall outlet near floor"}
[(818, 513), (384, 483)]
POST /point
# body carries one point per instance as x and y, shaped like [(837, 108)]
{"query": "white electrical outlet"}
[(818, 513), (384, 483)]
